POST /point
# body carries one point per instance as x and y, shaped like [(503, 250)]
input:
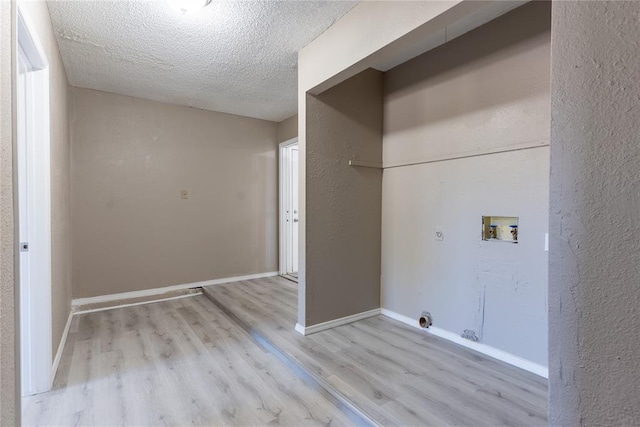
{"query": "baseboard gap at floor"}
[(290, 278), (111, 305)]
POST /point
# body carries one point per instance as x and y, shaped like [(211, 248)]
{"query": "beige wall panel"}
[(132, 230), (288, 129), (343, 203)]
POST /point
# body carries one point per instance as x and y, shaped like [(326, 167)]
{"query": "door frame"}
[(284, 196), (35, 296)]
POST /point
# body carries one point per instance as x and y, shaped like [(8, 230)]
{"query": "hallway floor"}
[(232, 357), (394, 374), (179, 362)]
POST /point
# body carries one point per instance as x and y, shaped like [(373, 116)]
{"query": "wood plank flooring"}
[(179, 362), (233, 358), (395, 374)]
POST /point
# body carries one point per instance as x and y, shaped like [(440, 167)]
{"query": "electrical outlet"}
[(184, 194), (439, 233)]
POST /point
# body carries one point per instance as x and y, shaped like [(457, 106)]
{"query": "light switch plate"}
[(439, 233)]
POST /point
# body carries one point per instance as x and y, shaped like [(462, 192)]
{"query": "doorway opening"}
[(33, 177), (289, 209)]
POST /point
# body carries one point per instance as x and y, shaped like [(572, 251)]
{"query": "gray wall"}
[(60, 172), (9, 360), (594, 280), (487, 90), (343, 203), (288, 129), (131, 228)]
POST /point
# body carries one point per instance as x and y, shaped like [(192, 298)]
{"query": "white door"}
[(23, 229), (289, 208), (293, 245), (33, 249)]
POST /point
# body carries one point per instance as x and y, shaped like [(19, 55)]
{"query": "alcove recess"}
[(500, 228)]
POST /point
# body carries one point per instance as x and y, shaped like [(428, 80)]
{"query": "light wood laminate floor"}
[(395, 374), (179, 362)]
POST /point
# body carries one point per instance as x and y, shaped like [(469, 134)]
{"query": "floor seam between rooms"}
[(351, 410)]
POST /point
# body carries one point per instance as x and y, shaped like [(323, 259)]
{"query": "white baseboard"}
[(150, 301), (307, 330), (63, 341), (163, 290), (496, 353)]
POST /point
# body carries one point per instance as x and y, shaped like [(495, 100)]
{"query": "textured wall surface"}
[(288, 129), (343, 202), (132, 230), (367, 28), (498, 290), (375, 35), (9, 360), (60, 172), (238, 57), (594, 271), (486, 90)]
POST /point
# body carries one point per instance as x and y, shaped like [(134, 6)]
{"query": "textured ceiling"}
[(238, 57)]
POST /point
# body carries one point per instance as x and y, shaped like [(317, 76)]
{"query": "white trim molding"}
[(487, 350), (163, 290), (308, 330), (63, 342), (32, 188)]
